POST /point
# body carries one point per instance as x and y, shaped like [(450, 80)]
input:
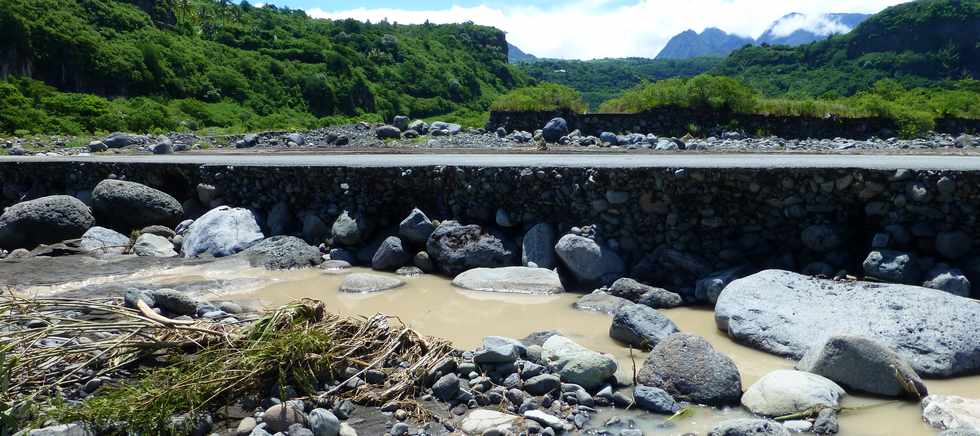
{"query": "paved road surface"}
[(690, 160)]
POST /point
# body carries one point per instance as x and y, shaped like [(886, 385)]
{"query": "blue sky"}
[(589, 29)]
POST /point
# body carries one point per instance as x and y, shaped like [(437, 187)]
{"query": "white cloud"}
[(818, 24), (588, 29)]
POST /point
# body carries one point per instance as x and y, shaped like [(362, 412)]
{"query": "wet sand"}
[(432, 306)]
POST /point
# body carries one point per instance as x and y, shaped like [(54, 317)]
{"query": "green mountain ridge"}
[(266, 60)]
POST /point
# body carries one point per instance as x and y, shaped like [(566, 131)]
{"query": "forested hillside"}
[(206, 63), (918, 44), (601, 79)]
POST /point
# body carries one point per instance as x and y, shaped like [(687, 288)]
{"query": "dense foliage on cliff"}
[(601, 79), (914, 109), (208, 63), (916, 43)]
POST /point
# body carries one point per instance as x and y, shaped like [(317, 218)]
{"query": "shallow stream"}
[(431, 305)]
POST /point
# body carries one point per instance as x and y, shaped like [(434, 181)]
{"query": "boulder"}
[(587, 260), (400, 121), (349, 229), (223, 231), (599, 301), (120, 140), (283, 252), (446, 388), (45, 220), (538, 246), (640, 326), (950, 412), (390, 255), (456, 248), (947, 279), (577, 364), (162, 231), (511, 279), (151, 245), (637, 292), (419, 126), (787, 314), (542, 384), (125, 206), (655, 400), (609, 138), (484, 421), (689, 368), (364, 283), (554, 130), (103, 241), (388, 132), (865, 365), (893, 266), (784, 392), (174, 302), (749, 427), (323, 423), (279, 417), (416, 227)]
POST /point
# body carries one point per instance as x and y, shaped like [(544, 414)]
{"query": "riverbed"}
[(431, 305)]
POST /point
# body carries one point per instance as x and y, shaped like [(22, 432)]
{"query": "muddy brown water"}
[(431, 305)]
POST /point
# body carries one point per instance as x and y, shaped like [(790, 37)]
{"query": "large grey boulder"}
[(350, 229), (151, 245), (749, 427), (416, 227), (950, 412), (538, 247), (640, 326), (456, 248), (45, 220), (102, 241), (388, 132), (283, 252), (784, 392), (390, 255), (577, 364), (510, 279), (120, 140), (223, 231), (637, 292), (125, 206), (554, 130), (787, 314), (689, 368), (587, 260), (893, 266), (865, 365), (365, 283)]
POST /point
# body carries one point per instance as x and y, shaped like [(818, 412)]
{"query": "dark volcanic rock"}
[(45, 220), (786, 314), (125, 206), (640, 326), (689, 368), (456, 248), (283, 252), (865, 365)]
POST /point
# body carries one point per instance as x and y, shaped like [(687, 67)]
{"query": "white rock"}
[(152, 245), (511, 279), (544, 419), (783, 392), (482, 420), (947, 412)]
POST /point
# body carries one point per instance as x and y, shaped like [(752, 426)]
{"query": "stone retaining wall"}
[(674, 224), (672, 121)]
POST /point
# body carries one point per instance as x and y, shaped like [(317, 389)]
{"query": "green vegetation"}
[(203, 63), (914, 109), (544, 97), (917, 44), (601, 79)]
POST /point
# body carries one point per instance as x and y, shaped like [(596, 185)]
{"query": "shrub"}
[(544, 97)]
